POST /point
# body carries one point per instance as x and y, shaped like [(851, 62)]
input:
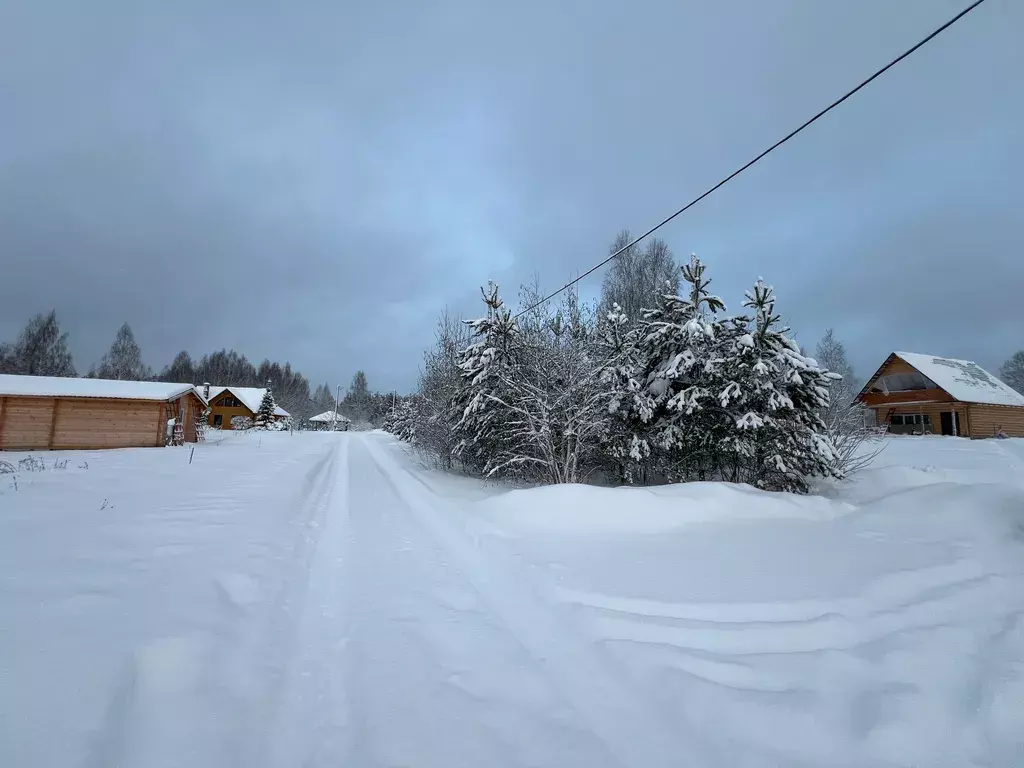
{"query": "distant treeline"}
[(42, 350)]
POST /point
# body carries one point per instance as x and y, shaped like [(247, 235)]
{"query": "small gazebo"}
[(330, 420)]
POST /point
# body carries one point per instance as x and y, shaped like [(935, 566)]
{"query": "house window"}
[(229, 402), (911, 420), (218, 419)]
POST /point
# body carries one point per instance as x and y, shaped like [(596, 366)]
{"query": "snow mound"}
[(588, 510), (788, 630)]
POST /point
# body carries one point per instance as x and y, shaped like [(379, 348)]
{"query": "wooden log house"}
[(229, 402), (51, 413), (922, 394)]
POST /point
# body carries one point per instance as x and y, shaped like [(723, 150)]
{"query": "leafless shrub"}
[(6, 468), (31, 464), (856, 445)]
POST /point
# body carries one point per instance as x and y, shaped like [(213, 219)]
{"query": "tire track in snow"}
[(630, 727), (307, 715)]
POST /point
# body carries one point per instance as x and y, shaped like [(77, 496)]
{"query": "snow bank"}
[(881, 626), (584, 510)]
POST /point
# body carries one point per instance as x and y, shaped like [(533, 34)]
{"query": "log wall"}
[(42, 423), (987, 420)]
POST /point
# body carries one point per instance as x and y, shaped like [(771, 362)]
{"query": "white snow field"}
[(322, 599)]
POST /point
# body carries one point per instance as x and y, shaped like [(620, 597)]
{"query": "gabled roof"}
[(250, 397), (963, 380), (328, 417), (56, 386)]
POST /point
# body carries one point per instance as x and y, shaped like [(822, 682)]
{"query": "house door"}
[(950, 423)]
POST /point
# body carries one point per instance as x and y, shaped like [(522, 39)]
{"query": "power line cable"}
[(768, 151)]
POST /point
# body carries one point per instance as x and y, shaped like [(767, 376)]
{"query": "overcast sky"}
[(313, 181)]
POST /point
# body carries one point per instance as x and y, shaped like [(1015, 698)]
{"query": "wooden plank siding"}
[(987, 420), (26, 423), (107, 424), (46, 423)]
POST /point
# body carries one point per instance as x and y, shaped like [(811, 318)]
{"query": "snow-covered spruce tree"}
[(403, 420), (777, 395), (1012, 371), (624, 446), (678, 371), (480, 411), (265, 415)]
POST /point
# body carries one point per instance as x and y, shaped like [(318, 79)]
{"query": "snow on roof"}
[(966, 381), (55, 386), (328, 417), (251, 397)]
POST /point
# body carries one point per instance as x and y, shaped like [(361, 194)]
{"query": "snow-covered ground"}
[(322, 599)]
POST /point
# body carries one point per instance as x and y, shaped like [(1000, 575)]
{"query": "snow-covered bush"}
[(241, 422)]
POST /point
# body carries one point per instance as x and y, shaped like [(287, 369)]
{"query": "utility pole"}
[(394, 399)]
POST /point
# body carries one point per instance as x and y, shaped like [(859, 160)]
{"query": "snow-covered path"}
[(405, 627), (322, 600)]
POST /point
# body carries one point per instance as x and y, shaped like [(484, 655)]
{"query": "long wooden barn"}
[(49, 413), (923, 394)]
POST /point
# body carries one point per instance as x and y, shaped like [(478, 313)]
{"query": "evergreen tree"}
[(480, 411), (780, 396), (678, 372), (124, 360), (1012, 371), (265, 415), (618, 351)]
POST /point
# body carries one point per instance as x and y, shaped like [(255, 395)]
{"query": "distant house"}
[(228, 402), (50, 413), (922, 394), (330, 420)]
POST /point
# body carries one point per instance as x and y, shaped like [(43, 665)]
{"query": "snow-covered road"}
[(322, 600), (413, 647)]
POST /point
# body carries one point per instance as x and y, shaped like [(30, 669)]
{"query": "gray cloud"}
[(314, 181)]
